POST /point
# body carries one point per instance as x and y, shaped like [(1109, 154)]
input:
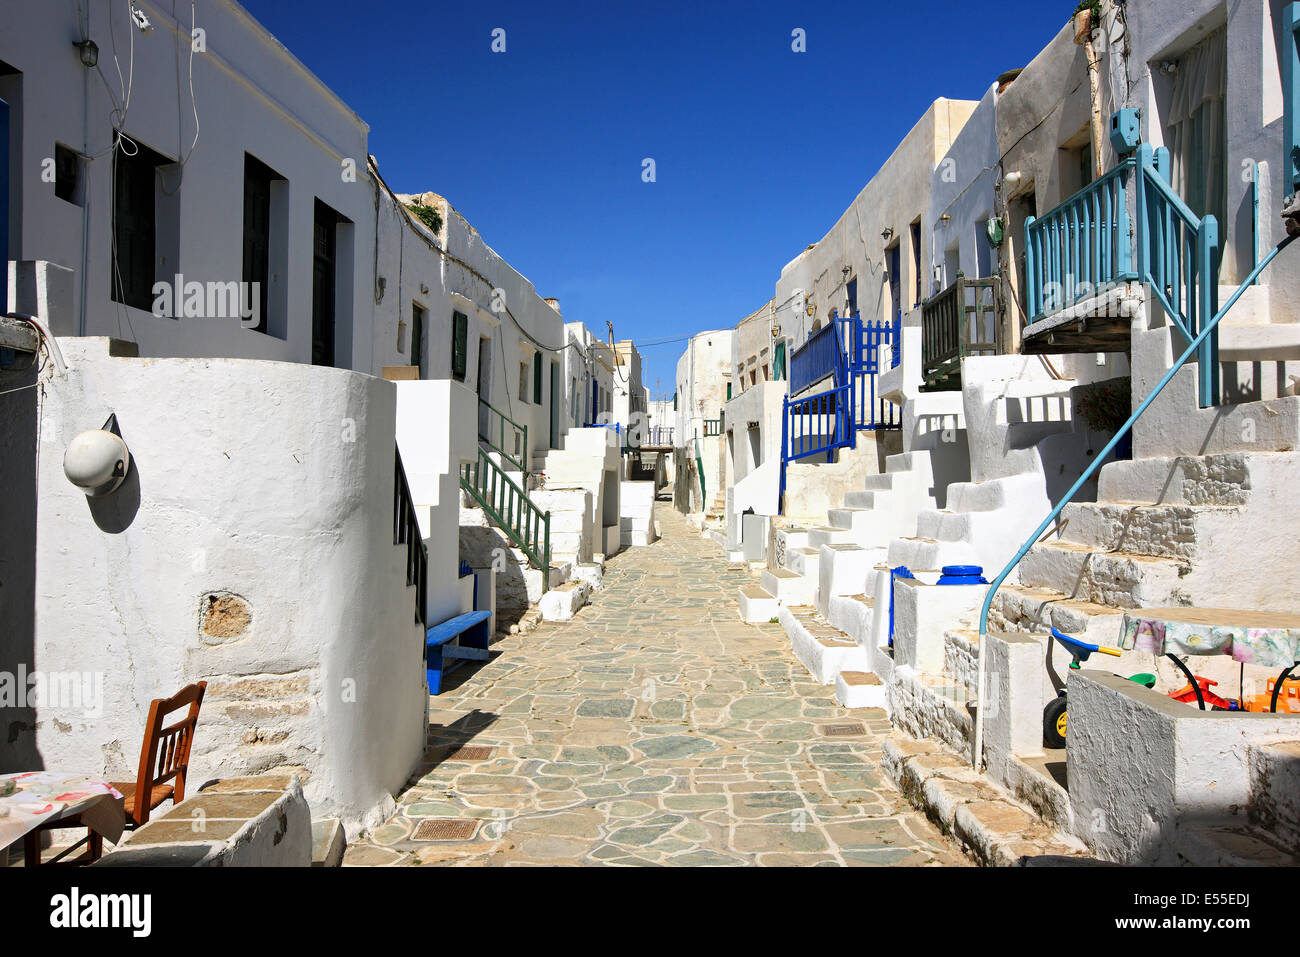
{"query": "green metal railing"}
[(511, 510), (503, 433), (712, 427), (699, 466), (1207, 329)]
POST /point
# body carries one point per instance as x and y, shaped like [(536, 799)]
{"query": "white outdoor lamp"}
[(97, 460)]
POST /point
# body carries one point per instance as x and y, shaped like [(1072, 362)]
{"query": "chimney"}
[(553, 303)]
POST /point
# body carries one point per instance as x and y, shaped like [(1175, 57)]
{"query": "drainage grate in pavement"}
[(445, 829), (471, 752), (842, 730), (467, 752)]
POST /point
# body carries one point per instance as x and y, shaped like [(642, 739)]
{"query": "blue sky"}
[(757, 149)]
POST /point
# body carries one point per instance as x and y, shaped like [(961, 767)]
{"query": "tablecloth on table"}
[(1269, 647), (44, 795)]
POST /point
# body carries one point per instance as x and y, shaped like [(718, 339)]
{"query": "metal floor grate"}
[(445, 829), (470, 752), (466, 752), (842, 730)]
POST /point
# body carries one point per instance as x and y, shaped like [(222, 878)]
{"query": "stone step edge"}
[(991, 827)]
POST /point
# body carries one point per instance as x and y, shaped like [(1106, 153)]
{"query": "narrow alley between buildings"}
[(654, 728)]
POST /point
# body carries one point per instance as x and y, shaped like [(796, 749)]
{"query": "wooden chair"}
[(164, 764)]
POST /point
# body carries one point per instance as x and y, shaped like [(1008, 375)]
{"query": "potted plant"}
[(1087, 17)]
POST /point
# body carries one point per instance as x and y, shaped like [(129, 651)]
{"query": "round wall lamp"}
[(97, 461)]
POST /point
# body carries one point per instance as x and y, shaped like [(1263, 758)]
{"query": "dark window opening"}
[(459, 338), (67, 174), (324, 284), (537, 378), (258, 184), (136, 259), (418, 319), (916, 264)]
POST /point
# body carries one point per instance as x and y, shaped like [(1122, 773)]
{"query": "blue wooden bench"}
[(456, 640)]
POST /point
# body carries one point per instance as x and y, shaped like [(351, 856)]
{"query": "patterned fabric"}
[(30, 798), (1268, 647)]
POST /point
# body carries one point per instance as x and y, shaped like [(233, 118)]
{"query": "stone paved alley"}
[(655, 728)]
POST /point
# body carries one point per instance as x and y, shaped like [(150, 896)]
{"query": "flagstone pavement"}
[(654, 728)]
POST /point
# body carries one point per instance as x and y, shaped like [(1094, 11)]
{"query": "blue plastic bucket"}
[(962, 575)]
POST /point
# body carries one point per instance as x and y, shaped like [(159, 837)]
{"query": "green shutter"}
[(728, 390), (459, 333), (537, 378), (674, 401), (778, 365)]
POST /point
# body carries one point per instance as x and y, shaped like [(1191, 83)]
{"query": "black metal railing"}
[(406, 531)]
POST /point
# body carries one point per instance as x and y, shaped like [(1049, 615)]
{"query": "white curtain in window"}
[(1197, 137)]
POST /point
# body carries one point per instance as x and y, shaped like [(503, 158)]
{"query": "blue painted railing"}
[(821, 356), (819, 424), (815, 425), (870, 340), (1081, 244)]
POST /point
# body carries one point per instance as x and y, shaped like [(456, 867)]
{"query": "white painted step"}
[(560, 603), (804, 561), (757, 605), (829, 535), (823, 650), (852, 614), (790, 588), (857, 520), (843, 570), (927, 553), (860, 689)]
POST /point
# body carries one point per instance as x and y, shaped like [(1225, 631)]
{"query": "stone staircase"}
[(815, 564), (984, 521), (1168, 531), (572, 575)]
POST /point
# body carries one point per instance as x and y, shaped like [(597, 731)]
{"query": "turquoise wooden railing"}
[(1177, 253), (1079, 245), (1088, 244), (511, 510), (1207, 330)]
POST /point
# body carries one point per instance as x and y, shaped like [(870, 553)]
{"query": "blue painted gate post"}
[(785, 451)]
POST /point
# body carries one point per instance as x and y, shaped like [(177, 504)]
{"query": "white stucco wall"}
[(432, 457), (272, 485), (253, 96), (895, 197)]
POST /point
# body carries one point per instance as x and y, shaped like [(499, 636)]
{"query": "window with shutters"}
[(459, 337)]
